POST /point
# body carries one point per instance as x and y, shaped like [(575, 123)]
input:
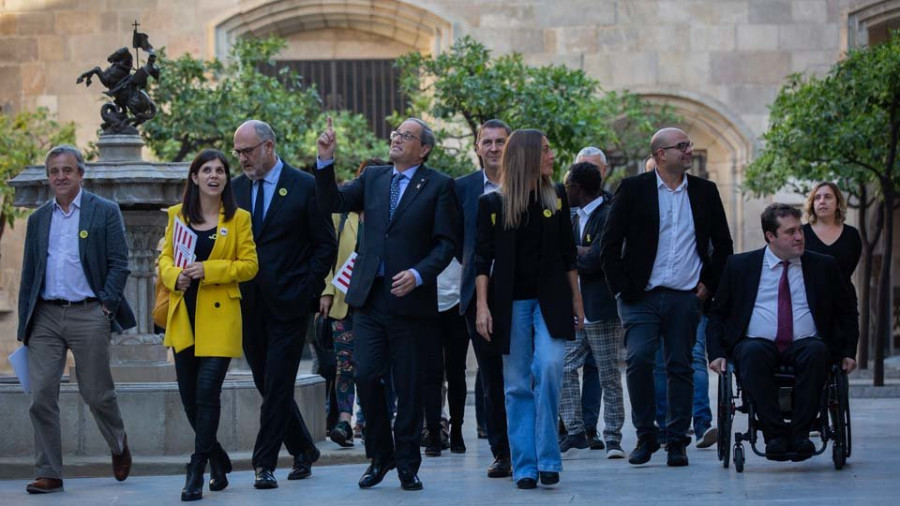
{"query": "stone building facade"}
[(719, 63)]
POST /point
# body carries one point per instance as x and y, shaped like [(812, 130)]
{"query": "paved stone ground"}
[(870, 477)]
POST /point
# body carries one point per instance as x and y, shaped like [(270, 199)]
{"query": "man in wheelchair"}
[(781, 305)]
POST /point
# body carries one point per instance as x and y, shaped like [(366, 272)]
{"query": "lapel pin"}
[(493, 218), (548, 213), (282, 192), (588, 237), (223, 232), (419, 186), (83, 234), (558, 204)]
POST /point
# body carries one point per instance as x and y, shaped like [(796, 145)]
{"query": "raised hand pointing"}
[(327, 141)]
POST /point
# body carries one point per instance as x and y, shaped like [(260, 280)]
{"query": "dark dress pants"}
[(756, 360), (273, 348), (490, 370), (671, 316), (444, 353), (200, 386), (387, 343)]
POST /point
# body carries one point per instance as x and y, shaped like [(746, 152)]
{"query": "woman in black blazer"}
[(527, 294)]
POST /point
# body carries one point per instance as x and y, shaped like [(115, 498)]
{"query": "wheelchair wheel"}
[(739, 458), (844, 390), (725, 415), (839, 412)]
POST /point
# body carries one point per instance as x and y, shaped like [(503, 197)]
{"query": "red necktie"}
[(785, 333)]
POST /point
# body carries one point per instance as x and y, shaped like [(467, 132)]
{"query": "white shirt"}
[(764, 320), (489, 186), (448, 286), (584, 214), (64, 275), (677, 264)]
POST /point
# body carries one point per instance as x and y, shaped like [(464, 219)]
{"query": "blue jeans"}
[(532, 373), (591, 393), (702, 413)]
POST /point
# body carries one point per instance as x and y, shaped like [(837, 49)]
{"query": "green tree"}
[(844, 126), (201, 103), (24, 140), (465, 86)]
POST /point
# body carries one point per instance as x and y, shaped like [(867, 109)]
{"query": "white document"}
[(19, 361), (341, 279), (184, 242)]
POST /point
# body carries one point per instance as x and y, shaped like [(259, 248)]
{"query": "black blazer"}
[(469, 188), (833, 309), (296, 246), (496, 248), (599, 303), (422, 234), (631, 236), (104, 257)]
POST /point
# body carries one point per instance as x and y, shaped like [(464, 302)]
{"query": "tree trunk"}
[(885, 316), (865, 283)]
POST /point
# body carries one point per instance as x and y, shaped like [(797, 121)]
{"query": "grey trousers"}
[(84, 329), (602, 340)]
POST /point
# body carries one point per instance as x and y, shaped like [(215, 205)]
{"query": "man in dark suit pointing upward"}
[(410, 237)]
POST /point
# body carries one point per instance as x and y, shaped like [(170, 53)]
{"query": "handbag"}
[(323, 332), (161, 305)]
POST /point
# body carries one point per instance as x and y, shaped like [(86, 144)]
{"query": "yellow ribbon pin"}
[(558, 204), (588, 237), (83, 234), (493, 218), (282, 192), (547, 213)]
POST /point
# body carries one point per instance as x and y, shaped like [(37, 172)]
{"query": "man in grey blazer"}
[(70, 298)]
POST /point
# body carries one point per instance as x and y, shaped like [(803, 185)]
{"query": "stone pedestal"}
[(142, 190)]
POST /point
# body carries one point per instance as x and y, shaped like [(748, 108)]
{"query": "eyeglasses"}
[(246, 151), (681, 146), (406, 136)]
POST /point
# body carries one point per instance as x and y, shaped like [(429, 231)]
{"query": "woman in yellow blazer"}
[(204, 321)]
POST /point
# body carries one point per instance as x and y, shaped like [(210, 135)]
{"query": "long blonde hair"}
[(520, 174)]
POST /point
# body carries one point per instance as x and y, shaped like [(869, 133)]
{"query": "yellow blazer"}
[(346, 246), (218, 315)]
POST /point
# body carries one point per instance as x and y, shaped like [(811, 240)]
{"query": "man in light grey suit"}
[(70, 297)]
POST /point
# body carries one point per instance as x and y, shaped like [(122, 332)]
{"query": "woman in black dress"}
[(826, 232)]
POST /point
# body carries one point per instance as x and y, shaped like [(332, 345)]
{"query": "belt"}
[(67, 303)]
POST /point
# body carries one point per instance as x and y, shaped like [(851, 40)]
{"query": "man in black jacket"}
[(602, 330), (663, 248), (410, 237), (781, 304), (296, 247)]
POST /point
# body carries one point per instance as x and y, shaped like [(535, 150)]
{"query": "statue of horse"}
[(126, 90)]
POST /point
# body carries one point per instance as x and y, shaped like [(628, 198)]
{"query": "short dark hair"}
[(190, 208), (771, 214), (492, 123), (587, 176), (65, 149)]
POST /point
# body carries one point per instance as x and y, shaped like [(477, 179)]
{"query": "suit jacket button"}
[(217, 304)]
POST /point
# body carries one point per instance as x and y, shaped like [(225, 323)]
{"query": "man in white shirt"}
[(781, 304)]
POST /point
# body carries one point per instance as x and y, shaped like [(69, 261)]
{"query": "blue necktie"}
[(395, 192)]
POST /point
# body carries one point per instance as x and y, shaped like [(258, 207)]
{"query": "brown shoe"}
[(122, 462), (44, 486)]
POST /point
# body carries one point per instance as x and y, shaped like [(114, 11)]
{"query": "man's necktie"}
[(785, 333), (395, 192), (258, 208), (576, 228)]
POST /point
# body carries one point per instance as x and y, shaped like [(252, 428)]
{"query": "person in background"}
[(826, 232), (203, 326)]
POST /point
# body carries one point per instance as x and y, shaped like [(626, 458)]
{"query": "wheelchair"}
[(832, 422)]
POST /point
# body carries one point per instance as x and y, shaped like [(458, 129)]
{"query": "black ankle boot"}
[(193, 481), (433, 448), (219, 466), (457, 445)]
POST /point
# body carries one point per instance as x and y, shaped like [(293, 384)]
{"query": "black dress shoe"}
[(433, 446), (594, 440), (303, 464), (776, 449), (646, 446), (375, 473), (803, 449), (265, 478), (549, 477), (526, 483), (410, 481), (501, 468), (677, 455)]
